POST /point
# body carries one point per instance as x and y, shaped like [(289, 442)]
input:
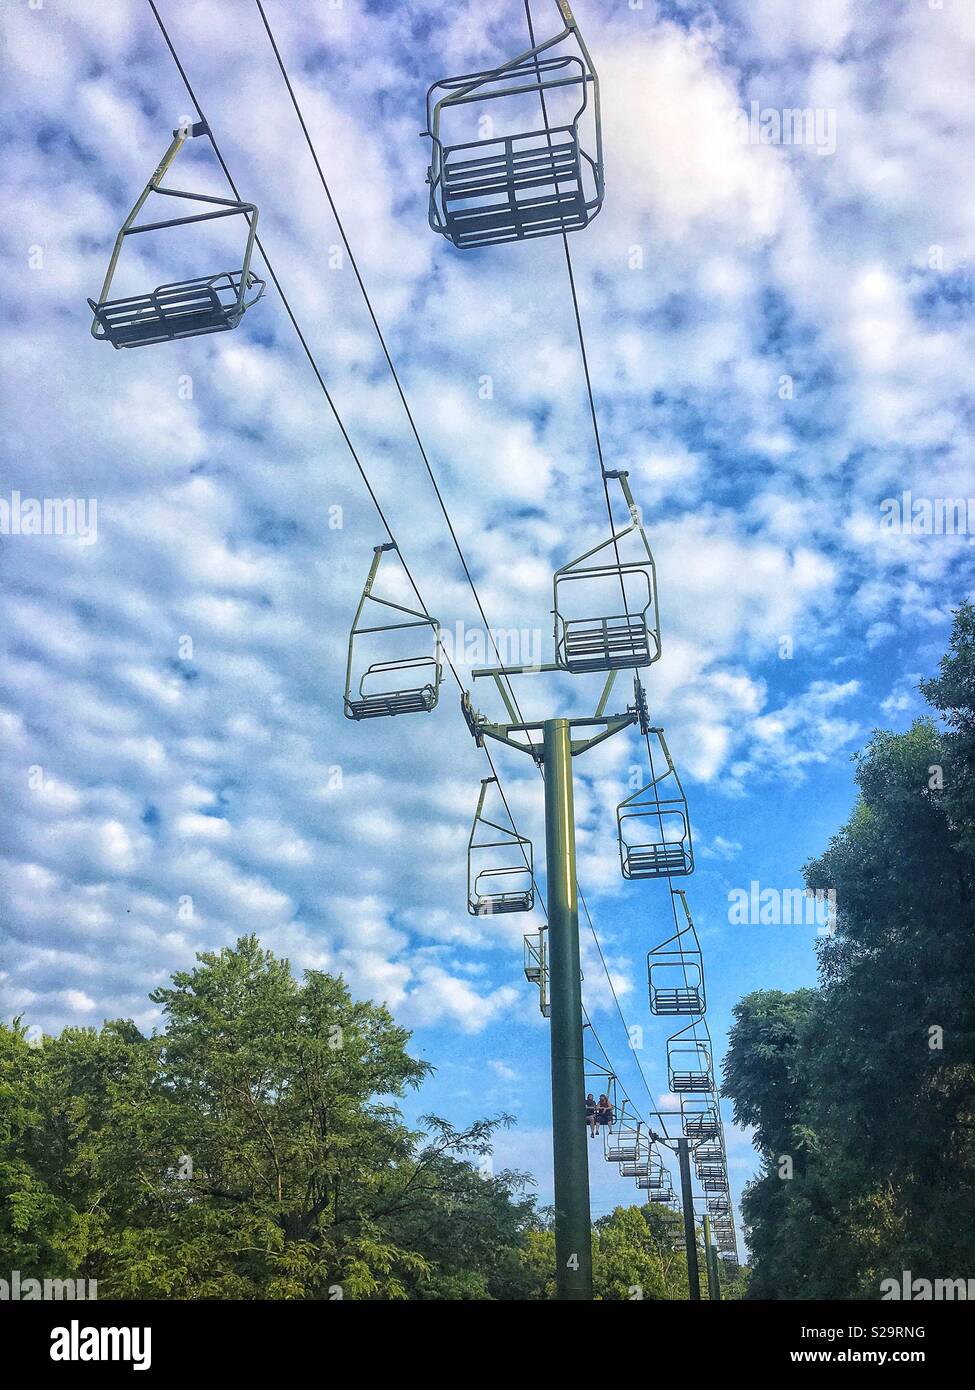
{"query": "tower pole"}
[(714, 1288), (573, 1239), (690, 1230)]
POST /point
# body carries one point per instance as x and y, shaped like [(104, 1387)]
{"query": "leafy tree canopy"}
[(862, 1093), (252, 1148)]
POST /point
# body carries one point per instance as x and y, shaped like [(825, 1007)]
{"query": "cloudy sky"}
[(780, 339)]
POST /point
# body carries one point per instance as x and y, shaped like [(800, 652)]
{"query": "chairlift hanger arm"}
[(607, 690), (485, 782), (176, 144), (456, 97), (232, 204), (611, 540), (572, 27), (622, 476), (421, 619), (635, 524), (511, 839), (657, 778), (180, 136), (185, 221), (656, 952), (467, 95)]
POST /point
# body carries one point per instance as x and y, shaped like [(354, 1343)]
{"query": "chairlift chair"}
[(656, 1181), (525, 183), (699, 1117), (656, 1176), (675, 972), (608, 641), (499, 865), (718, 1206), (623, 1147), (639, 1169), (709, 1170), (622, 1142), (600, 1081), (654, 829), (666, 1195), (400, 698), (709, 1153), (689, 1063), (185, 308)]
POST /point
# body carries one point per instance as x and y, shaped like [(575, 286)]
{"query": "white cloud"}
[(191, 796)]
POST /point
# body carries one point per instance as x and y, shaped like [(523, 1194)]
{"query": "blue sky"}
[(788, 348)]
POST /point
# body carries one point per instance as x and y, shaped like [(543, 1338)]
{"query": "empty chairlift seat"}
[(499, 864), (699, 1117), (675, 972), (184, 308), (605, 604), (655, 1178), (689, 1063), (710, 1170), (639, 1169), (623, 1141), (396, 684), (623, 1147), (657, 1182), (516, 150), (664, 1195), (709, 1153), (652, 823)]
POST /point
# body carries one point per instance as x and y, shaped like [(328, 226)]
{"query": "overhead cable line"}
[(308, 353), (337, 415), (432, 476), (582, 337)]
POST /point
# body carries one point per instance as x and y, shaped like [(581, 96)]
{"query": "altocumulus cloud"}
[(774, 357)]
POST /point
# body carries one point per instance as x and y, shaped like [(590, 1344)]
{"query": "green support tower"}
[(573, 1239)]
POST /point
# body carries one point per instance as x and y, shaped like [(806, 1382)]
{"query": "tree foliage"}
[(637, 1254), (867, 1085), (252, 1149)]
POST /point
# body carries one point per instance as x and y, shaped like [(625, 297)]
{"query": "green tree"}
[(952, 694), (637, 1252), (868, 1084), (252, 1149)]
